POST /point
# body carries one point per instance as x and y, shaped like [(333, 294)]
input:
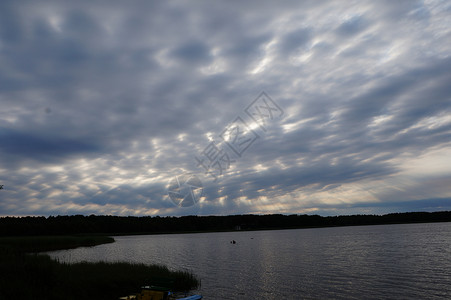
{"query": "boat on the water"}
[(158, 293), (193, 297)]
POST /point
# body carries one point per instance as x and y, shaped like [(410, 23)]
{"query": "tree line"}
[(93, 224)]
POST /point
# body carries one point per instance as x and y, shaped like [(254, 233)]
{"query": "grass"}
[(36, 276)]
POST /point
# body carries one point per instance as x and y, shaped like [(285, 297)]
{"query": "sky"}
[(176, 108)]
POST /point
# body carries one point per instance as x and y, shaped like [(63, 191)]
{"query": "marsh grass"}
[(36, 276)]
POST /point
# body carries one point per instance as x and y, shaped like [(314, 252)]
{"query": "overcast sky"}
[(105, 103)]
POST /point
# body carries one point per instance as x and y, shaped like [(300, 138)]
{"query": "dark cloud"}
[(192, 52), (27, 146), (11, 29), (295, 41), (352, 26)]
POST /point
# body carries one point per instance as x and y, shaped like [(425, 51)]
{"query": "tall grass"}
[(37, 276)]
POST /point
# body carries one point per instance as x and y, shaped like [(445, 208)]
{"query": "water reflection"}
[(389, 261)]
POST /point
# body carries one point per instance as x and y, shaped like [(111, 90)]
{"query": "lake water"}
[(411, 261)]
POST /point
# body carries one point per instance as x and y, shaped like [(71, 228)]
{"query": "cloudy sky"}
[(105, 104)]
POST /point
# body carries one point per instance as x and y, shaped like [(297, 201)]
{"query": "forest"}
[(120, 225)]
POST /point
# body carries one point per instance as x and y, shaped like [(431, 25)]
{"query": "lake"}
[(408, 261)]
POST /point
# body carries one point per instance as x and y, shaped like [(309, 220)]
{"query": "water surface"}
[(409, 261)]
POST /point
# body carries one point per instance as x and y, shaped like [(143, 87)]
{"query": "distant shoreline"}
[(268, 229), (119, 226)]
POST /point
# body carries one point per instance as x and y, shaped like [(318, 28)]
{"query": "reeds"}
[(37, 276)]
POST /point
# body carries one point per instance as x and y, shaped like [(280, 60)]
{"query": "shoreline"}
[(267, 229), (145, 225)]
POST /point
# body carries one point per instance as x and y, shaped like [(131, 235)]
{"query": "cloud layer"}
[(103, 104)]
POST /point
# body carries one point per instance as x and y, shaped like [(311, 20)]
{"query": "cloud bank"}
[(103, 104)]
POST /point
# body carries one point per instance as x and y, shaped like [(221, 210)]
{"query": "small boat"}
[(193, 297), (158, 293)]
